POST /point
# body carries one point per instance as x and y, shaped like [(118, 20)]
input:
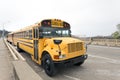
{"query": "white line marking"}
[(104, 47), (73, 78), (109, 59)]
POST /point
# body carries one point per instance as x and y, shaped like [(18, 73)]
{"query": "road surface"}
[(103, 63)]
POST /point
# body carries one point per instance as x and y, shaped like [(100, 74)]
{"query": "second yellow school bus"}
[(50, 44)]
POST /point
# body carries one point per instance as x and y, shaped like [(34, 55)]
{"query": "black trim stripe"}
[(25, 42), (26, 45)]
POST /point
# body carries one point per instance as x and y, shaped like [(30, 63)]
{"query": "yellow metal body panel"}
[(26, 45), (53, 49)]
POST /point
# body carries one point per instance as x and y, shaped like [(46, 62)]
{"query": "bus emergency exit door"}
[(35, 43)]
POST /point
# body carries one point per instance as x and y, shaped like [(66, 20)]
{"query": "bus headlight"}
[(62, 56), (59, 56)]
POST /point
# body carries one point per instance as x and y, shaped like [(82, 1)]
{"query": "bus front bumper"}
[(71, 61)]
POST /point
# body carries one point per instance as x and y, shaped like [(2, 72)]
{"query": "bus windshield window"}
[(55, 32)]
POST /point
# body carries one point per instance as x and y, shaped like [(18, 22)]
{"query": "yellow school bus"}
[(50, 44)]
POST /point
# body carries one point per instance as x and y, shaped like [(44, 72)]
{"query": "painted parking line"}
[(104, 47), (105, 58), (73, 78)]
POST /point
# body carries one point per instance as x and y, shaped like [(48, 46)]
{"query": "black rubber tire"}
[(18, 49), (48, 65), (78, 64)]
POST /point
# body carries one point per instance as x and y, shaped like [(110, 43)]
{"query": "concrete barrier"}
[(103, 42), (24, 72), (11, 51), (17, 53), (106, 42)]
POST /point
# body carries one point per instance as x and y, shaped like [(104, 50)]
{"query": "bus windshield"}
[(54, 32)]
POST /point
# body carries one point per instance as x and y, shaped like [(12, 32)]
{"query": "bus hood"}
[(67, 40), (68, 45)]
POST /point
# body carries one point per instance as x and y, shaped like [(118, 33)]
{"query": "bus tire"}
[(18, 49), (48, 65), (78, 64)]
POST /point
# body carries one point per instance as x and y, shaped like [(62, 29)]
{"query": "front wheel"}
[(48, 65), (18, 49)]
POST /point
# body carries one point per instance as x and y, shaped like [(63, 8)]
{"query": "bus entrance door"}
[(36, 43)]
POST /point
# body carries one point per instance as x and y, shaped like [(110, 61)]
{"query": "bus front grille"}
[(73, 47)]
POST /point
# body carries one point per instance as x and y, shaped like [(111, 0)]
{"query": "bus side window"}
[(30, 34)]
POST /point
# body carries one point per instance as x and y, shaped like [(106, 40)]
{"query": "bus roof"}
[(39, 23)]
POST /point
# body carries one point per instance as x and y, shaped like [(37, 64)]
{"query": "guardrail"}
[(107, 42), (16, 55), (12, 53), (22, 71), (104, 42)]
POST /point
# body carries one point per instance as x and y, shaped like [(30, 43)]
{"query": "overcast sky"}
[(87, 17)]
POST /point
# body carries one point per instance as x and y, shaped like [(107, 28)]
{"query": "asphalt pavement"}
[(103, 63)]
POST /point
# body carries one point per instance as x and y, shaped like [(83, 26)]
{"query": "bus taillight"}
[(49, 23), (46, 23)]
